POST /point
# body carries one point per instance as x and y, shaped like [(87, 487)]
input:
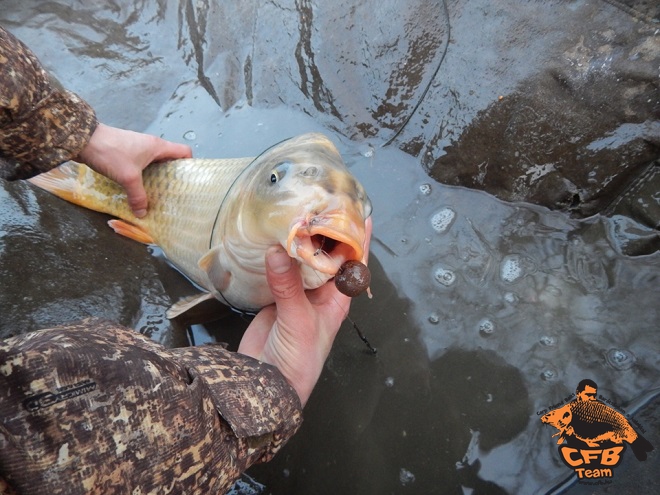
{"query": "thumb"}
[(284, 280)]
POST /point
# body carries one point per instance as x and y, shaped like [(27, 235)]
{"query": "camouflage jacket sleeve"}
[(41, 124), (96, 408)]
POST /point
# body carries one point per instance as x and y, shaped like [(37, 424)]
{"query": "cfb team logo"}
[(592, 435)]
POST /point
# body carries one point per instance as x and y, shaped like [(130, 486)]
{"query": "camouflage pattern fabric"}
[(93, 407), (41, 124)]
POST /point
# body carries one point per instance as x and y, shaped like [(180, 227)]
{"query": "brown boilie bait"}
[(353, 278)]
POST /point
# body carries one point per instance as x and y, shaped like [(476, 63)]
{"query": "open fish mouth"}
[(325, 242)]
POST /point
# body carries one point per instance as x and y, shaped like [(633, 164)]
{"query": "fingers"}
[(161, 150), (136, 195), (122, 155), (256, 336), (166, 150)]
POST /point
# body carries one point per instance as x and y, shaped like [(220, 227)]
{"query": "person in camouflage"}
[(43, 125), (93, 407)]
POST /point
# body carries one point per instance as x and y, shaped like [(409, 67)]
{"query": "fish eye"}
[(278, 173)]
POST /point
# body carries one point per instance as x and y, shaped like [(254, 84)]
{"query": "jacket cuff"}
[(261, 407), (53, 132)]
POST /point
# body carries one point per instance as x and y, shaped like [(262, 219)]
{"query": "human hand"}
[(122, 155), (296, 333)]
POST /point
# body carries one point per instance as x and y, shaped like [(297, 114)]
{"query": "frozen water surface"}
[(484, 312)]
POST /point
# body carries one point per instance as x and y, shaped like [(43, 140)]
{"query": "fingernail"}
[(140, 213), (278, 260)]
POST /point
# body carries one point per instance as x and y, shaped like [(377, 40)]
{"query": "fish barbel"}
[(215, 218)]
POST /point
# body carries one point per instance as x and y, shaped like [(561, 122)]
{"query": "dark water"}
[(484, 312)]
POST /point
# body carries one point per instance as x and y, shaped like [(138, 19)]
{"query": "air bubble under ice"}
[(486, 327), (406, 477), (620, 359), (442, 219), (511, 268), (444, 276), (511, 297), (549, 375)]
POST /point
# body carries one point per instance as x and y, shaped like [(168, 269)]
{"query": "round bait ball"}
[(353, 278)]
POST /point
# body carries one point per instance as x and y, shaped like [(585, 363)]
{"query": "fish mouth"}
[(325, 242)]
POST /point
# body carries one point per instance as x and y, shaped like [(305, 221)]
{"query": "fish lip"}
[(347, 243)]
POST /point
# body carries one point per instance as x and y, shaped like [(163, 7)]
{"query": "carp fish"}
[(593, 422), (214, 219)]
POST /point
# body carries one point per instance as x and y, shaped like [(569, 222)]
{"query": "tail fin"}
[(78, 184), (640, 447), (63, 181)]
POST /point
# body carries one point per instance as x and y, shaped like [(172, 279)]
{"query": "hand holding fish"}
[(296, 333), (122, 155)]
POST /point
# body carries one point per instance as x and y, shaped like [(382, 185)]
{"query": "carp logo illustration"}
[(593, 435)]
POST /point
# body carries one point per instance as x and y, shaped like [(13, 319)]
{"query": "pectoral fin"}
[(218, 276), (131, 231), (183, 305), (211, 264)]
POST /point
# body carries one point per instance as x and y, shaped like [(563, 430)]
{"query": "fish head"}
[(306, 200)]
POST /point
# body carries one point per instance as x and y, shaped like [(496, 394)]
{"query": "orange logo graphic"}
[(593, 435)]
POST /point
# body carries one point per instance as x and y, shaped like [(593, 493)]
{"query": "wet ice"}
[(581, 313)]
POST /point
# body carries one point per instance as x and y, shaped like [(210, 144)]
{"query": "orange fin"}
[(80, 185), (62, 181), (211, 264), (131, 231)]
